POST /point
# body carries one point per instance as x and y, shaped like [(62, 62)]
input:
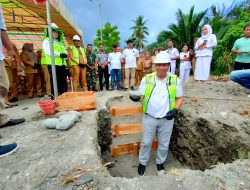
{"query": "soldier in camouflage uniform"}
[(91, 68)]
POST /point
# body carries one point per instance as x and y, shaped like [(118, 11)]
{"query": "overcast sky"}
[(160, 13)]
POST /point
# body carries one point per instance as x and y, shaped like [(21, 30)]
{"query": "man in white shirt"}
[(174, 54), (114, 60), (5, 121), (130, 56), (162, 98)]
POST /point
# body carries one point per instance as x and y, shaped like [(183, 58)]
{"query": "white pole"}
[(51, 50), (100, 6)]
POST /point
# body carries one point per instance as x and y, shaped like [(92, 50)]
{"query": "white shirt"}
[(208, 51), (185, 64), (130, 56), (115, 60), (46, 47), (2, 27), (173, 52), (158, 104)]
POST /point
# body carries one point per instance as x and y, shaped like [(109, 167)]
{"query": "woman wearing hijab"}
[(204, 52), (60, 56), (29, 58)]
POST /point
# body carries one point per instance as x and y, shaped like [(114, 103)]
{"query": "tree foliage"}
[(140, 31), (223, 57), (110, 36), (184, 31)]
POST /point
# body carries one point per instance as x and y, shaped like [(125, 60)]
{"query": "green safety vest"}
[(150, 85), (59, 48), (76, 55)]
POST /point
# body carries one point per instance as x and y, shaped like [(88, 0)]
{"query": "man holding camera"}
[(162, 98), (78, 62)]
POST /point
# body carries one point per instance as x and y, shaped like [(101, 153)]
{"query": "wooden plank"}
[(128, 148), (126, 129), (126, 110), (155, 145), (76, 101), (136, 149)]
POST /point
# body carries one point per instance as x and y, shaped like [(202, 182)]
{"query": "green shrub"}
[(224, 64), (223, 59)]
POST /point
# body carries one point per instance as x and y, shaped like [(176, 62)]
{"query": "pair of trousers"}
[(151, 127), (123, 75), (172, 67), (4, 87), (79, 73), (91, 79), (242, 77), (116, 74), (129, 74), (103, 73), (46, 77), (138, 76), (60, 78), (13, 81), (34, 79), (240, 66), (184, 74)]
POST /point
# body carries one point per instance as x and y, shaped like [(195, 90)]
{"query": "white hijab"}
[(209, 31)]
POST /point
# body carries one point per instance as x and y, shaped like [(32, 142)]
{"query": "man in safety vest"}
[(78, 61), (60, 56), (162, 98)]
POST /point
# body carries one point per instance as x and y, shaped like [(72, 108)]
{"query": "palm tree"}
[(185, 30), (140, 31)]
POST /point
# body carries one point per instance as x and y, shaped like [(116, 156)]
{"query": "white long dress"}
[(185, 67), (204, 58)]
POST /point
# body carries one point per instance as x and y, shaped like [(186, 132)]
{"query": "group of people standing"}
[(126, 67)]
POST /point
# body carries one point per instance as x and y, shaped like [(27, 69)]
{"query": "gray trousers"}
[(4, 88), (151, 127)]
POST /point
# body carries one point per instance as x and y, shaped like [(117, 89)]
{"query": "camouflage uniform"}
[(91, 74)]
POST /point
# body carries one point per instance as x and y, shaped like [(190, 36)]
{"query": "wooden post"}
[(155, 145), (116, 153), (116, 130), (135, 149)]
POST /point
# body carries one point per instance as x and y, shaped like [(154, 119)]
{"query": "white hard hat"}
[(76, 37), (162, 57), (53, 25)]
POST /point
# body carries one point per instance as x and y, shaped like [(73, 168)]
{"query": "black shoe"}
[(132, 88), (125, 89), (141, 169), (8, 149), (13, 122), (13, 99), (160, 169), (111, 89)]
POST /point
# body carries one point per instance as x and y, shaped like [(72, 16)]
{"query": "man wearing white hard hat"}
[(162, 98), (60, 62), (78, 62)]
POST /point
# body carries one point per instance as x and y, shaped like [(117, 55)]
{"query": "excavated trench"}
[(196, 143)]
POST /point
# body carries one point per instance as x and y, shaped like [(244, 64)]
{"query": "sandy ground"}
[(45, 156)]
